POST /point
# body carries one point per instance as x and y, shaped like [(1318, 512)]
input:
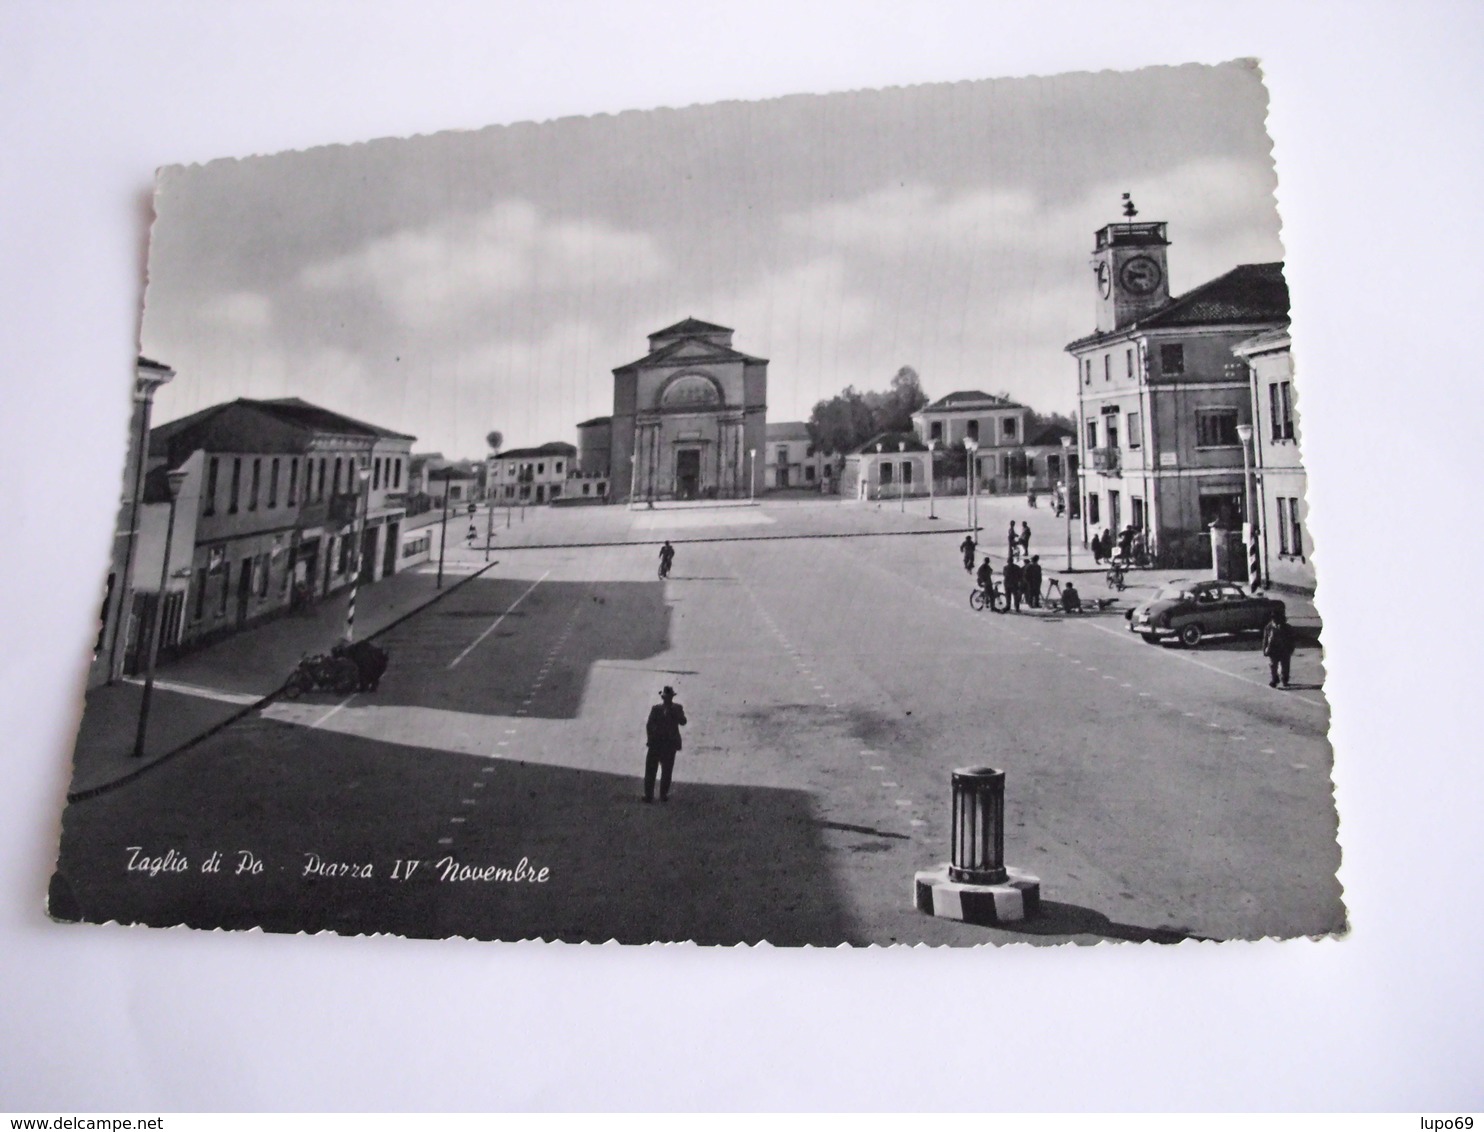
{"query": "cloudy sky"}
[(449, 284)]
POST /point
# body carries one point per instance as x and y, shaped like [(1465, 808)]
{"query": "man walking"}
[(667, 558), (1031, 582), (1014, 543), (663, 735), (1025, 541), (1277, 645), (967, 546)]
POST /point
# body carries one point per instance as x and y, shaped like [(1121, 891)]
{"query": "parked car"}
[(1191, 611)]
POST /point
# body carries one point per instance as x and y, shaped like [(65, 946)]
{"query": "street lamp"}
[(751, 472), (448, 474), (633, 476), (878, 471), (902, 480), (932, 475), (364, 476), (1249, 542), (971, 503), (1066, 477), (173, 479)]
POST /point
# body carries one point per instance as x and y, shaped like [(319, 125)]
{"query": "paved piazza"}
[(831, 683)]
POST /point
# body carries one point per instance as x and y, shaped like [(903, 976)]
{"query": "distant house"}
[(532, 475), (283, 501), (792, 460), (891, 465), (996, 426)]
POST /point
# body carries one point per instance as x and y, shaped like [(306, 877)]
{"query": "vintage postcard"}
[(865, 518)]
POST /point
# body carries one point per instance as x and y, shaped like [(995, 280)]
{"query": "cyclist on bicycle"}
[(985, 578)]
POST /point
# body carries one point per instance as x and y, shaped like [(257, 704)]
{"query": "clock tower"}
[(1129, 264)]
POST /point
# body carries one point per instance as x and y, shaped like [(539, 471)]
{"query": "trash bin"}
[(978, 850)]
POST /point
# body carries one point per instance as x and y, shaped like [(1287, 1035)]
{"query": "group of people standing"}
[(1132, 546)]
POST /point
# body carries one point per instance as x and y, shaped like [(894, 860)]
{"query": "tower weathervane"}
[(1129, 211)]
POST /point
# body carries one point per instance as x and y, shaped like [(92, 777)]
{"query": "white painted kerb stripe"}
[(496, 623)]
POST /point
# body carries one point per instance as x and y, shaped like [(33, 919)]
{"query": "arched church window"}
[(690, 389)]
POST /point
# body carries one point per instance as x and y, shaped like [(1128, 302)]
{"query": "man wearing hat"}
[(663, 735)]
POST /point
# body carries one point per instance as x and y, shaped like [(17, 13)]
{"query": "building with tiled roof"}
[(283, 502), (1162, 398), (532, 475), (993, 425), (891, 465), (794, 461)]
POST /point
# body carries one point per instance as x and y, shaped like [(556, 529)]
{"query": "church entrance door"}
[(688, 473)]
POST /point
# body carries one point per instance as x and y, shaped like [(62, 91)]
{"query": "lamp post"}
[(633, 476), (751, 472), (971, 501), (1249, 542), (148, 377), (1066, 502), (878, 471), (174, 480), (902, 477), (443, 526), (364, 476), (932, 477)]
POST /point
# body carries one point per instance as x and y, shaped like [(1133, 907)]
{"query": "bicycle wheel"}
[(1115, 579), (976, 600), (999, 602)]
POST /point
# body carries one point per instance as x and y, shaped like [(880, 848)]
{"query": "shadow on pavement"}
[(716, 864), (456, 658), (1070, 919)]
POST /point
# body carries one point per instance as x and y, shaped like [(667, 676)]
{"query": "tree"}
[(846, 421), (495, 439)]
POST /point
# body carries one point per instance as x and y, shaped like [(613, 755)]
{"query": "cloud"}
[(440, 272), (238, 310)]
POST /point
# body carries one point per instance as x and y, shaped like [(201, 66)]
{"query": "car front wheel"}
[(1191, 635)]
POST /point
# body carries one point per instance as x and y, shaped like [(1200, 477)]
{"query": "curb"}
[(258, 705)]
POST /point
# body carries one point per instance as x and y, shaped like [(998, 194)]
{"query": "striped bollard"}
[(350, 611), (976, 886), (1254, 560)]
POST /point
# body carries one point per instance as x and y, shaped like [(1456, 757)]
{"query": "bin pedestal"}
[(976, 886)]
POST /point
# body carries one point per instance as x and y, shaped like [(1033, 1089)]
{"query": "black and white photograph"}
[(858, 518)]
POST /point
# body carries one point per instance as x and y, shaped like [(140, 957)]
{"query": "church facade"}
[(689, 418)]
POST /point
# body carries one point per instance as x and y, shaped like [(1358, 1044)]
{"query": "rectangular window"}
[(293, 481), (1280, 407), (236, 485), (557, 467), (339, 467), (1092, 508), (935, 432), (1110, 425), (1128, 361), (809, 473), (1172, 358), (257, 479), (886, 473), (221, 597), (1216, 428), (1295, 532), (1092, 434), (202, 576), (1107, 367), (260, 575), (1282, 525), (1009, 426), (1135, 437), (973, 431), (397, 468), (323, 460), (212, 467), (376, 474), (509, 491), (906, 472), (273, 483)]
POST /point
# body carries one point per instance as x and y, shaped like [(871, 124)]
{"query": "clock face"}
[(1105, 279), (1140, 275)]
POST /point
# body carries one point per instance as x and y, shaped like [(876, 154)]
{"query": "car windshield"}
[(1175, 591)]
